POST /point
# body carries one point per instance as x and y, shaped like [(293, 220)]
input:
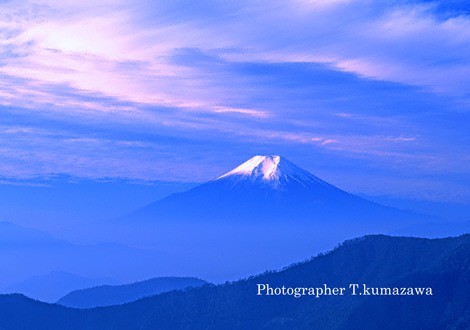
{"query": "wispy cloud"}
[(115, 49), (94, 88)]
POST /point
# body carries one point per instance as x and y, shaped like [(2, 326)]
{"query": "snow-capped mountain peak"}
[(273, 170), (268, 187), (266, 167)]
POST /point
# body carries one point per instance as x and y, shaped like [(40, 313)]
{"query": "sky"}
[(372, 96)]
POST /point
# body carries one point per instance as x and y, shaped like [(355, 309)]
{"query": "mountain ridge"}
[(108, 295), (53, 285), (376, 260)]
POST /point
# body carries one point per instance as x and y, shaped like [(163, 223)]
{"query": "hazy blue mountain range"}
[(45, 203), (30, 254), (261, 215), (107, 295), (377, 261), (13, 237), (54, 285)]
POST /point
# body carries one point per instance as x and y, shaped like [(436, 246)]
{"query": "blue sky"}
[(372, 96)]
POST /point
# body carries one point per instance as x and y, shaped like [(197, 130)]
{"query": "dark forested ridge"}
[(378, 261)]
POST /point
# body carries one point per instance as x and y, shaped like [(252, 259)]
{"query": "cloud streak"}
[(106, 49), (126, 89)]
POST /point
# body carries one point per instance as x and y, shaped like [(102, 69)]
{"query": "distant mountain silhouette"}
[(13, 236), (107, 295), (377, 261), (31, 253), (51, 286)]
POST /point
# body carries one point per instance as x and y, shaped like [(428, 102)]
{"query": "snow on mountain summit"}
[(258, 166), (269, 189), (273, 169)]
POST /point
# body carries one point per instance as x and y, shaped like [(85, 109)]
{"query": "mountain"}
[(271, 189), (49, 201), (51, 286), (260, 215), (377, 261), (17, 237), (107, 295), (30, 253)]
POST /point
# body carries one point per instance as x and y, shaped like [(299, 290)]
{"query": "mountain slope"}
[(51, 286), (262, 214), (270, 190), (107, 295), (17, 237), (29, 252), (377, 261)]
